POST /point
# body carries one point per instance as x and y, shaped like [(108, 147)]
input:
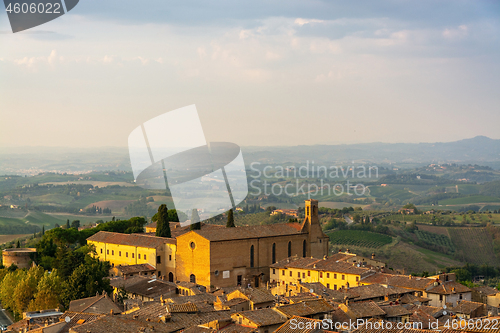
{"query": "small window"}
[(335, 275), (133, 254), (101, 251), (274, 271), (216, 273), (145, 257), (298, 274), (357, 278), (107, 252), (192, 245), (283, 272), (126, 254), (303, 275), (334, 287), (290, 273), (159, 273), (119, 253), (441, 298), (139, 256), (112, 252), (158, 259), (328, 275), (460, 296), (308, 273), (321, 275), (343, 277), (169, 257), (328, 285)]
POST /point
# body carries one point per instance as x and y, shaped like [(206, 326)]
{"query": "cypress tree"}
[(43, 230), (18, 245), (230, 219), (162, 225), (195, 220), (67, 224)]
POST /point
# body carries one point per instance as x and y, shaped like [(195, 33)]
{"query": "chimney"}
[(373, 256), (111, 312), (347, 251), (340, 250)]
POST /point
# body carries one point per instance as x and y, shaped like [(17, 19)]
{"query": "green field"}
[(468, 189), (339, 205), (250, 219), (433, 238), (33, 221), (469, 200), (474, 245), (391, 192), (358, 238)]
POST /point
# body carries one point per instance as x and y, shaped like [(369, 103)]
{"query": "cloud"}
[(456, 33), (301, 21)]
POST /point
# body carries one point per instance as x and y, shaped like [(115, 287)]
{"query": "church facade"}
[(225, 257)]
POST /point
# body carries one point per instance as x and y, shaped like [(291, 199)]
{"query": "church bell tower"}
[(317, 240)]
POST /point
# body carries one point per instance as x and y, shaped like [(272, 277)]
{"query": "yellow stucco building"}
[(330, 272), (133, 249)]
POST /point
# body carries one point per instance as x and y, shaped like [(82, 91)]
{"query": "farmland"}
[(435, 239), (474, 245), (359, 238)]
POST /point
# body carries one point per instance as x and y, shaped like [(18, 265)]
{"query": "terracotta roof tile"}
[(365, 309), (375, 291), (309, 326), (263, 317), (143, 286), (140, 240), (486, 290), (327, 265), (448, 288), (133, 269), (246, 232), (466, 307), (97, 304), (403, 281), (182, 308), (395, 310)]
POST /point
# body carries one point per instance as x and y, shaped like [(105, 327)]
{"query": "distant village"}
[(263, 278)]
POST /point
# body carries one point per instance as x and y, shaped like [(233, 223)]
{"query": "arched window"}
[(251, 256), (274, 253), (289, 248), (192, 278), (170, 277), (304, 248)]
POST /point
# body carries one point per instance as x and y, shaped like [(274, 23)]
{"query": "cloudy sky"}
[(260, 72)]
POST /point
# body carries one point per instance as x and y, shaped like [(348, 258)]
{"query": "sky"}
[(261, 73)]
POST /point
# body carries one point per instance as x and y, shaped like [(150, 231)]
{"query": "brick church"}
[(226, 257)]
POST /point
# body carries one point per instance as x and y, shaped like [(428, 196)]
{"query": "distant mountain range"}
[(479, 150)]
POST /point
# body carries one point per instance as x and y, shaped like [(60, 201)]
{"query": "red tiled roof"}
[(403, 281), (448, 288), (131, 269), (139, 240), (254, 231), (263, 317), (327, 265)]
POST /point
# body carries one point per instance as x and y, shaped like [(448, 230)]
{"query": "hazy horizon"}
[(250, 146)]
